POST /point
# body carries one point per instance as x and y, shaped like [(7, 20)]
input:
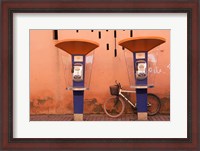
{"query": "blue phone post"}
[(81, 57), (138, 48)]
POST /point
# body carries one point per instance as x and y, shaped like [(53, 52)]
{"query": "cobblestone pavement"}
[(96, 117)]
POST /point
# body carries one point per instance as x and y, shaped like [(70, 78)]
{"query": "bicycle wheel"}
[(114, 107), (153, 104)]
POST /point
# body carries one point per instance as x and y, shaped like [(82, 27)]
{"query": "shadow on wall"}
[(47, 105)]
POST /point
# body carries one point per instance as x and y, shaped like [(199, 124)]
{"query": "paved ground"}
[(97, 117)]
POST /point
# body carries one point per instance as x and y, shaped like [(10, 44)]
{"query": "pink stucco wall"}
[(48, 75)]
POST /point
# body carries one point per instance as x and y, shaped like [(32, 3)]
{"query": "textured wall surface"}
[(48, 73)]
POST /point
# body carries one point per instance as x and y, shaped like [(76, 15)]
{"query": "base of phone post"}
[(142, 116), (141, 97), (78, 117), (78, 105)]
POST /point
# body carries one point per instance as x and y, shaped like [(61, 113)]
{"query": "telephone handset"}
[(77, 71), (141, 69)]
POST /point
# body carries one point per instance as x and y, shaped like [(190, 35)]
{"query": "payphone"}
[(79, 70), (138, 48), (141, 69)]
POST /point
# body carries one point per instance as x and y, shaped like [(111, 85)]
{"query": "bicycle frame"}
[(125, 98), (114, 111)]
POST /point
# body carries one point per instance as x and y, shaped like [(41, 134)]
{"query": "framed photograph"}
[(42, 65)]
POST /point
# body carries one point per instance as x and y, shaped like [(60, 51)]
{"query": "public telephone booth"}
[(78, 69), (138, 65)]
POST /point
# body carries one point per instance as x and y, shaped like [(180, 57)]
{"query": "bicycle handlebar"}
[(118, 84)]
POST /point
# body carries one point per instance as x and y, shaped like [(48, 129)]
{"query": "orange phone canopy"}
[(141, 44), (77, 46)]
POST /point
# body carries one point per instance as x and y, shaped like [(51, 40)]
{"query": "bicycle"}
[(114, 107)]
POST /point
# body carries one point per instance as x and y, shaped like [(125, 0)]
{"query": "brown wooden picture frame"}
[(9, 7)]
